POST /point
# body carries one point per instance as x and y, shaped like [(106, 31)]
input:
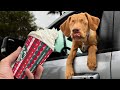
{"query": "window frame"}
[(57, 23)]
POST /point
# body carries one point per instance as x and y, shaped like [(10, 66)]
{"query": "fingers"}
[(29, 74), (12, 57), (39, 71), (37, 75)]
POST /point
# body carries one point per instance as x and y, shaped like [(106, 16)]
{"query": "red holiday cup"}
[(37, 48)]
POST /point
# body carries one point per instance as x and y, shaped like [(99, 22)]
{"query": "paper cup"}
[(34, 52)]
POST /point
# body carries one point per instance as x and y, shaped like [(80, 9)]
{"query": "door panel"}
[(115, 65), (103, 65), (56, 69)]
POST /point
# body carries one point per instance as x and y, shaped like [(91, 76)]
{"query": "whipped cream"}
[(48, 36)]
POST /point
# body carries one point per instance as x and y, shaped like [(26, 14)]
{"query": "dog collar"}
[(84, 47), (88, 33)]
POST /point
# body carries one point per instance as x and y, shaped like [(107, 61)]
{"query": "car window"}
[(104, 34)]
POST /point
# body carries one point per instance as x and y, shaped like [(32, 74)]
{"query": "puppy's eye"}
[(80, 20), (73, 20), (85, 23)]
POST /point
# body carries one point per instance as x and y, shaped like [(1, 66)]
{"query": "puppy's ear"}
[(65, 27), (92, 21)]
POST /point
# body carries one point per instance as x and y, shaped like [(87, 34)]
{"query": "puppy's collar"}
[(84, 47), (88, 33)]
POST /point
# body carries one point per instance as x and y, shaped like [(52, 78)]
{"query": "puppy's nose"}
[(75, 30)]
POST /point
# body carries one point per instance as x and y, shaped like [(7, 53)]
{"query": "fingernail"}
[(26, 69), (19, 47)]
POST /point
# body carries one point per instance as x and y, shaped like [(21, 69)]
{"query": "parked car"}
[(107, 56), (108, 62), (1, 39)]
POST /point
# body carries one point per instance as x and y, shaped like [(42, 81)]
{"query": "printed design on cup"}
[(18, 62), (42, 54), (29, 55), (34, 52), (23, 53), (34, 55)]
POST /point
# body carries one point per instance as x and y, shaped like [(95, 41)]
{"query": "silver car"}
[(108, 55)]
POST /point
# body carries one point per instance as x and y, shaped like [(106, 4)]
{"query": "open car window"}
[(104, 33)]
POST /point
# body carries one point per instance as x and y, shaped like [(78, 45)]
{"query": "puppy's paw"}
[(69, 73), (91, 63)]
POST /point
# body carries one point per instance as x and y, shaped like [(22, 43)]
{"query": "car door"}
[(55, 67)]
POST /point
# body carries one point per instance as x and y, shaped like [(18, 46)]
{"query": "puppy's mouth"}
[(76, 36)]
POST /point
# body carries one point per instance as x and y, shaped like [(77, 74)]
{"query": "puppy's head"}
[(78, 25)]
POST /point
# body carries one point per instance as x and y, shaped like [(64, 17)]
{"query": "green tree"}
[(16, 23)]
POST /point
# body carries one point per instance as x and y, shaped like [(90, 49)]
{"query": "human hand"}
[(6, 69)]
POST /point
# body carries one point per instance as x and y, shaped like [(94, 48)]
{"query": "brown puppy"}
[(82, 29)]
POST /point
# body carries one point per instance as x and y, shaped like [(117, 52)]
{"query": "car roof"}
[(62, 16), (99, 14)]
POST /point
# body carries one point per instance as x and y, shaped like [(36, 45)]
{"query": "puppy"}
[(82, 29)]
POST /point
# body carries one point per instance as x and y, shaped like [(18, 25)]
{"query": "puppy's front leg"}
[(69, 64), (91, 63)]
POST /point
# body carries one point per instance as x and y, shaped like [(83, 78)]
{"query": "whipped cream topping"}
[(48, 36)]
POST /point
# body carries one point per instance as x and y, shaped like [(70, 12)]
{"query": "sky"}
[(42, 19)]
